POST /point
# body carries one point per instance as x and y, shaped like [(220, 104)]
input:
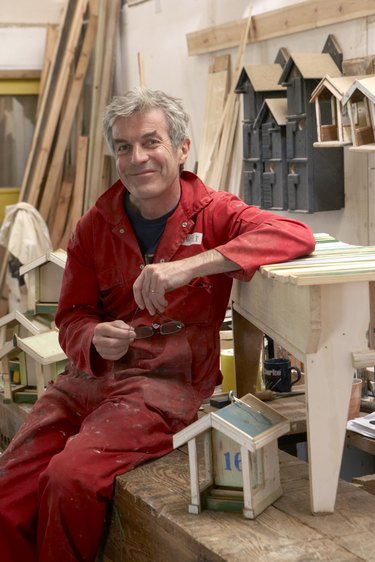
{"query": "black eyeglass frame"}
[(167, 328)]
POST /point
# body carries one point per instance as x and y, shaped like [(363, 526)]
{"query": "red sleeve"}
[(77, 313), (257, 237)]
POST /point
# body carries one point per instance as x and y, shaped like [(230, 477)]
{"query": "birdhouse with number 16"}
[(239, 464)]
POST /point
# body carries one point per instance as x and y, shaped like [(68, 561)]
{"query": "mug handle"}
[(297, 370)]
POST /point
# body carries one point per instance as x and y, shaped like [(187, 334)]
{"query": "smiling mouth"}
[(142, 173)]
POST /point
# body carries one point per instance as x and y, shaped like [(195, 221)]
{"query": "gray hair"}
[(141, 100)]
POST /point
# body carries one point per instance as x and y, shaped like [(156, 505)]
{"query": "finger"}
[(137, 292)]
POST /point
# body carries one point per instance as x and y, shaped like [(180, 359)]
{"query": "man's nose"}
[(139, 154)]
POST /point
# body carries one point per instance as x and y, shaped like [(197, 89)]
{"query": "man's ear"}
[(183, 150)]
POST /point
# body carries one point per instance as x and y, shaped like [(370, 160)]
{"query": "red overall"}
[(101, 418)]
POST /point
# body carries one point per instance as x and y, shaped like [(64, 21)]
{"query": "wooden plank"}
[(78, 191), (20, 74), (216, 168), (145, 507), (141, 70), (58, 224), (217, 91), (50, 192), (278, 23), (95, 181), (50, 111), (49, 50), (364, 358)]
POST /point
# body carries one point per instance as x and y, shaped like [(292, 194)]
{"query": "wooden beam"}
[(19, 74), (50, 193), (96, 176), (55, 89), (277, 23)]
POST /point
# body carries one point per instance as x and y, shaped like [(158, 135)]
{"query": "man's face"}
[(146, 161)]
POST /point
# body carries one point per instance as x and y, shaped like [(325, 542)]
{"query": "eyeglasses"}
[(164, 329)]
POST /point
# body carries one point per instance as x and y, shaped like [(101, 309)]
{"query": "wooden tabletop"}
[(294, 408)]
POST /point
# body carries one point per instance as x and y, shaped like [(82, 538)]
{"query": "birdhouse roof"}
[(57, 257), (44, 348), (249, 422), (278, 108), (336, 85), (366, 86), (310, 66), (33, 324), (263, 77)]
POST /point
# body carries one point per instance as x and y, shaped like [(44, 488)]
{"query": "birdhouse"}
[(360, 102), (43, 280), (256, 83), (315, 176), (31, 355), (333, 124), (240, 457), (271, 124)]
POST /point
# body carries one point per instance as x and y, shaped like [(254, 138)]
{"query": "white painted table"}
[(317, 308)]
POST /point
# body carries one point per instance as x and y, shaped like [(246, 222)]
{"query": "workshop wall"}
[(157, 29)]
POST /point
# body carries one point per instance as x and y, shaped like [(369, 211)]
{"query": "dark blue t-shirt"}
[(147, 231)]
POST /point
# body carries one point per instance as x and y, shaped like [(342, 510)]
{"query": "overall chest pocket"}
[(111, 288), (194, 302)]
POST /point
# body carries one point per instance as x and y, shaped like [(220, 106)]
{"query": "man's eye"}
[(151, 142), (123, 148)]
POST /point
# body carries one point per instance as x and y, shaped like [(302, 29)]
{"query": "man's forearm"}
[(210, 262)]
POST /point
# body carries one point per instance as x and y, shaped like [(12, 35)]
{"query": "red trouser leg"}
[(42, 435), (119, 432)]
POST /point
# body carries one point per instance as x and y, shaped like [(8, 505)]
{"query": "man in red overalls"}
[(145, 290)]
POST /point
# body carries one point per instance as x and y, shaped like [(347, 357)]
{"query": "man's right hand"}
[(112, 339)]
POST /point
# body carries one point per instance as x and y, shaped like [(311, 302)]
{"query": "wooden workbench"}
[(151, 521), (317, 308)]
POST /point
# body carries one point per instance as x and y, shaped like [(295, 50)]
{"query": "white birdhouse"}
[(240, 457)]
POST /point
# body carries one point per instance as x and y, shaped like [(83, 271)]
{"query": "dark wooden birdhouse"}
[(315, 176), (271, 125)]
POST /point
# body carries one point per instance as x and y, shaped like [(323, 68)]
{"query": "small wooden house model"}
[(332, 119), (43, 280), (256, 83), (360, 102), (315, 179), (12, 359), (241, 467), (44, 351), (29, 342), (271, 124)]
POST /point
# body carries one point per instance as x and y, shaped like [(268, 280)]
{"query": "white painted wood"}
[(364, 358), (44, 348), (194, 474), (328, 381), (40, 385), (248, 510), (287, 313), (337, 324)]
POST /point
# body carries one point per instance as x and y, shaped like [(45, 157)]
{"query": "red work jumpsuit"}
[(101, 419)]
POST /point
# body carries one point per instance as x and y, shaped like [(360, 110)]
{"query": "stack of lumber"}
[(66, 168), (220, 153)]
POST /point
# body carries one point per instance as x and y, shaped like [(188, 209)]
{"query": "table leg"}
[(247, 341), (328, 379)]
